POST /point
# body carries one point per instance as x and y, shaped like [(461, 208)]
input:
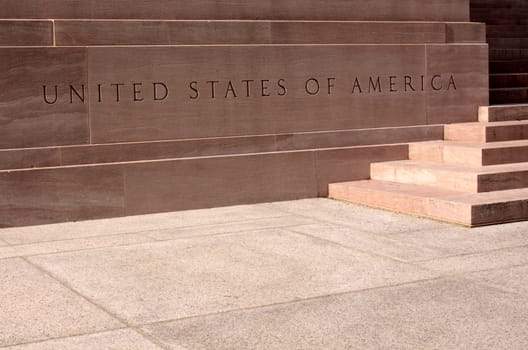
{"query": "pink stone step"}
[(468, 153), (487, 132), (503, 113), (453, 177), (473, 209)]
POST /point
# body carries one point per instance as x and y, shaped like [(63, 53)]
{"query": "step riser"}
[(503, 113), (507, 31), (447, 179), (508, 66), (508, 95), (508, 54), (508, 81), (506, 43)]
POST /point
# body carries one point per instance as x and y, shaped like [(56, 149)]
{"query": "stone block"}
[(26, 33), (377, 10), (27, 119), (39, 196), (457, 100), (218, 181), (465, 33), (290, 88), (130, 32)]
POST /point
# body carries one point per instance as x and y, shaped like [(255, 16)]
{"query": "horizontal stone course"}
[(38, 196), (130, 32), (418, 10), (137, 151), (68, 96)]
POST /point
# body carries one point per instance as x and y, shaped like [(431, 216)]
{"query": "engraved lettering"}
[(231, 90), (357, 85), (312, 86), (118, 89), (157, 86), (436, 87), (281, 85), (50, 102), (137, 92), (194, 87), (80, 96)]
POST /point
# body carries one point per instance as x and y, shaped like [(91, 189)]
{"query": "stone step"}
[(508, 43), (509, 95), (508, 80), (487, 132), (470, 209), (407, 10), (501, 113), (41, 157), (494, 4), (470, 154), (506, 31), (453, 177), (500, 15), (509, 66), (508, 54)]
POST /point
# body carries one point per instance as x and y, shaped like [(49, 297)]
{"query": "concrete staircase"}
[(478, 175), (507, 35)]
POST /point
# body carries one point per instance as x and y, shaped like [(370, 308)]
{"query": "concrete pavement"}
[(308, 274)]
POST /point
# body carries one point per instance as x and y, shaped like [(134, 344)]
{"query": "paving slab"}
[(130, 224), (154, 282), (513, 279), (232, 227), (72, 245), (34, 307), (478, 261), (456, 240), (369, 242), (122, 339), (356, 216), (440, 314)]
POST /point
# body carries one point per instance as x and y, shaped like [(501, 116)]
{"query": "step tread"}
[(476, 145), (456, 168), (490, 124), (483, 198)]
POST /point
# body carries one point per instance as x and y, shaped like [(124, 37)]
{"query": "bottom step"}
[(470, 209)]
